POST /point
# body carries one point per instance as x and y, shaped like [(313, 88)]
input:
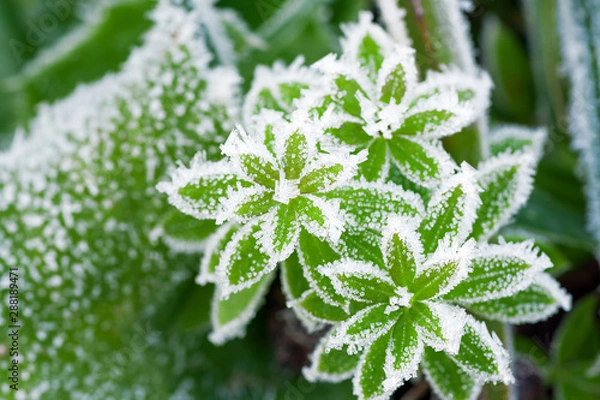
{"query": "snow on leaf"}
[(402, 249), (320, 217), (315, 312), (280, 232), (295, 154), (403, 354), (243, 262), (360, 281), (482, 354), (447, 379), (276, 89), (451, 211), (420, 161), (398, 76), (369, 379), (393, 19), (330, 366), (543, 298), (183, 233), (229, 316), (579, 31), (361, 245), (506, 182), (371, 204), (514, 138), (364, 327), (200, 189), (440, 325), (366, 43), (212, 253), (500, 270), (442, 272)]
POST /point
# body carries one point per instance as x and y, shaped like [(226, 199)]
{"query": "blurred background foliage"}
[(42, 60)]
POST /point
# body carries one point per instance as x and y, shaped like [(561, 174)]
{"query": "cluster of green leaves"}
[(391, 259)]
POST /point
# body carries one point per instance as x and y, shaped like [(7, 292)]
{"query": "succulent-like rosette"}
[(372, 100), (432, 269)]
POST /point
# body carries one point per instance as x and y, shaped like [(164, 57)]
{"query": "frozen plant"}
[(432, 269), (373, 100)]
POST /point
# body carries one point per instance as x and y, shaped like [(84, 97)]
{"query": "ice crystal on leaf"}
[(414, 296), (372, 101)]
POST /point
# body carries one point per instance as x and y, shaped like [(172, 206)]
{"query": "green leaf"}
[(451, 211), (230, 315), (331, 366), (499, 271), (482, 354), (435, 279), (243, 262), (374, 168), (282, 231), (185, 232), (578, 337), (315, 310), (320, 178), (202, 197), (319, 217), (403, 254), (440, 325), (420, 162), (259, 170), (350, 133), (313, 253), (362, 245), (514, 138), (406, 350), (371, 373), (396, 78), (212, 253), (362, 328), (447, 379), (370, 205), (370, 55), (423, 122), (292, 278), (505, 182), (536, 303), (360, 281), (295, 154), (256, 204)]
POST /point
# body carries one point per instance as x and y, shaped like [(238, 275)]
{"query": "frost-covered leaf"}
[(184, 233), (441, 273), (276, 89), (229, 316), (367, 44), (376, 166), (402, 250), (543, 298), (360, 281), (398, 76), (447, 379), (482, 354), (315, 311), (243, 261), (293, 282), (212, 253), (579, 29), (500, 270), (330, 365), (361, 245), (506, 182), (513, 139), (371, 204), (451, 211), (404, 353), (419, 160), (313, 253), (201, 189), (360, 330), (370, 377), (79, 210), (439, 324)]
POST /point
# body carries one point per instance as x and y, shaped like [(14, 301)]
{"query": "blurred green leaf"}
[(506, 61)]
